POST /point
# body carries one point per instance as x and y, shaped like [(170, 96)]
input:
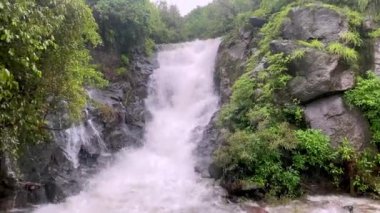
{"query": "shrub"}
[(360, 168), (256, 159), (124, 60), (314, 150), (234, 114), (366, 96)]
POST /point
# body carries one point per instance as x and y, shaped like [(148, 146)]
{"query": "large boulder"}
[(339, 121), (315, 22), (316, 74)]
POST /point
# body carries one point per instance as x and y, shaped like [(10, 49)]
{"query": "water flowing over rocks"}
[(160, 176), (114, 119), (155, 169)]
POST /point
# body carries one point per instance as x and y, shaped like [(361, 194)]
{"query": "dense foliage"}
[(366, 96), (125, 24), (43, 62), (268, 147), (216, 19)]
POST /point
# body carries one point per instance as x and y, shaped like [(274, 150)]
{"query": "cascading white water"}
[(160, 177), (78, 136)]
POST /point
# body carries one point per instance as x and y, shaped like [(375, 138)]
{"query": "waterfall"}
[(83, 135), (160, 176)]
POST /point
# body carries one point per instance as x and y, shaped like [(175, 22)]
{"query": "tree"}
[(43, 61), (124, 24)]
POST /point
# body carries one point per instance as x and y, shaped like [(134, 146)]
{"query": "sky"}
[(185, 6)]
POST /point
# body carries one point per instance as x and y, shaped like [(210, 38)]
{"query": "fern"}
[(352, 38), (375, 34), (297, 54), (316, 44), (348, 54)]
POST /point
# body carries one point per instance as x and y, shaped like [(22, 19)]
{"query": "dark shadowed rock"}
[(306, 23), (211, 139), (339, 121), (257, 21), (215, 171), (7, 176), (316, 74)]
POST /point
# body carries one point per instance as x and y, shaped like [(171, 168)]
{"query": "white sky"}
[(185, 6)]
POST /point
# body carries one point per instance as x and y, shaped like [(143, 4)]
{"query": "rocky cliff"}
[(113, 119), (298, 65)]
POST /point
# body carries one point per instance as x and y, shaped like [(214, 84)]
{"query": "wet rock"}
[(8, 178), (215, 171), (316, 74), (350, 209), (339, 121), (87, 157), (211, 139), (62, 178), (315, 22)]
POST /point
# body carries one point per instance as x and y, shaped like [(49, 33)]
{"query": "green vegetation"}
[(125, 24), (43, 62), (216, 19), (268, 146), (366, 96), (316, 44), (348, 54)]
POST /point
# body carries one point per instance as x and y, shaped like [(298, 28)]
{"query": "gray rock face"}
[(118, 125), (319, 74), (339, 121), (316, 74), (230, 64), (320, 23), (212, 137)]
